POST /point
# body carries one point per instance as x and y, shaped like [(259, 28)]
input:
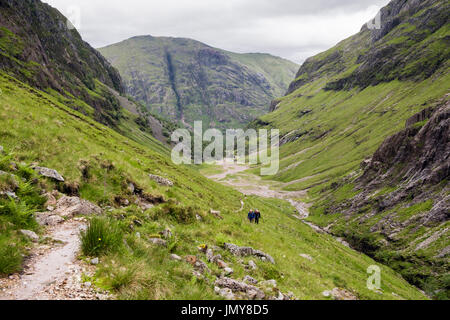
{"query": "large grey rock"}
[(160, 180), (72, 206), (158, 241), (49, 173), (30, 235), (238, 286), (48, 219), (175, 257), (225, 293), (250, 280), (201, 267), (247, 251)]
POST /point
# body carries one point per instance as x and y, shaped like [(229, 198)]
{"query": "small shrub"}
[(5, 162), (181, 214), (221, 239), (30, 196), (121, 277), (7, 183), (25, 172), (10, 259), (270, 271), (102, 236), (18, 213)]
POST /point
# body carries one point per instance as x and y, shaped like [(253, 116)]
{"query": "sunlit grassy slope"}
[(337, 130), (343, 104), (36, 128), (348, 99)]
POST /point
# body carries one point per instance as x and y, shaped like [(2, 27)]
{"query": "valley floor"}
[(235, 176), (240, 178)]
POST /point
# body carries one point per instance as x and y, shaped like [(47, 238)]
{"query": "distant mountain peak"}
[(186, 80)]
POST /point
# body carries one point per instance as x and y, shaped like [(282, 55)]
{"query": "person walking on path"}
[(251, 216), (257, 216)]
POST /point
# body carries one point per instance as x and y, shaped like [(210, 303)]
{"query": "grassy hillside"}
[(343, 104), (186, 80), (98, 164)]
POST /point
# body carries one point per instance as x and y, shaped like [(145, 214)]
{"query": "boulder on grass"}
[(160, 180), (30, 235), (49, 173)]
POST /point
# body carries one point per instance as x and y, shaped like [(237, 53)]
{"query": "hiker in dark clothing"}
[(251, 216), (257, 216)]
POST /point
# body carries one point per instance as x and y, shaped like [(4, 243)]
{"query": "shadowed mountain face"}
[(38, 46), (351, 103), (186, 80)]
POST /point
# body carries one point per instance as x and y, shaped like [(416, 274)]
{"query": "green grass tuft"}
[(102, 236)]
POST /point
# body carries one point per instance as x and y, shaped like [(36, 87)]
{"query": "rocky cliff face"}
[(38, 46), (186, 80)]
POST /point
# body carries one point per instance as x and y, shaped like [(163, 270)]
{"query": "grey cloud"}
[(294, 29)]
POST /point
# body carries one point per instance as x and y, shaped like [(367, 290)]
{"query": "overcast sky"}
[(293, 29)]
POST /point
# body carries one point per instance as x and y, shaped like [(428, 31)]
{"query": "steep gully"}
[(171, 74)]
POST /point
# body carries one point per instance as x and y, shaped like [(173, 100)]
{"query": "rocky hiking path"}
[(52, 271)]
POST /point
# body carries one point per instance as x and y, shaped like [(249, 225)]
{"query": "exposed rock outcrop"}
[(238, 286), (248, 251), (65, 208), (49, 173), (161, 180), (404, 190)]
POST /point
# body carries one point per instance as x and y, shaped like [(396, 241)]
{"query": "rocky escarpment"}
[(40, 47), (186, 80), (402, 206), (401, 48), (417, 159)]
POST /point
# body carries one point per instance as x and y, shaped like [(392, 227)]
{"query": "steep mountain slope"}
[(187, 80), (138, 194), (40, 47), (397, 208), (99, 165), (343, 104)]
